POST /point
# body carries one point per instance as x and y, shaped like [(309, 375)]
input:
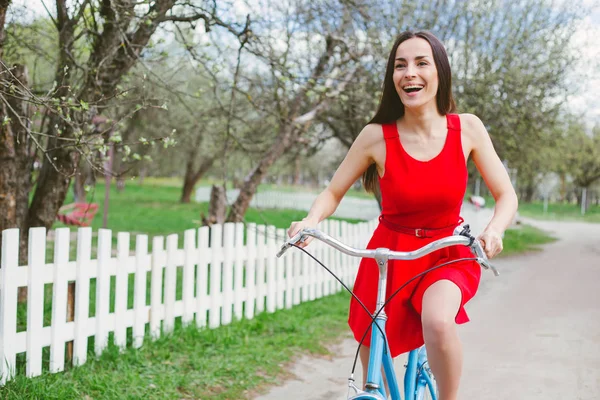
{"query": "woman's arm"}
[(497, 180), (357, 160)]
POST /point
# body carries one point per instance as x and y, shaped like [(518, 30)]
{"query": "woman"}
[(414, 151)]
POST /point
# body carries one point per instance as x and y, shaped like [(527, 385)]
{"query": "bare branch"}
[(49, 13)]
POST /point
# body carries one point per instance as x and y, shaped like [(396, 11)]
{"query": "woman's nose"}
[(410, 71)]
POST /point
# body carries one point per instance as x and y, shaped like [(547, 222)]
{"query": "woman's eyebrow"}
[(416, 58)]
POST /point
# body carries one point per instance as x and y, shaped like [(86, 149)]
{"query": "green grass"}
[(225, 363), (560, 212), (555, 211), (524, 239), (154, 208)]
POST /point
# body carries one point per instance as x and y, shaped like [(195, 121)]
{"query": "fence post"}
[(140, 314), (8, 303), (170, 284), (189, 247), (297, 278), (202, 278), (216, 240), (82, 295), (60, 288), (35, 300), (238, 271), (228, 249), (280, 284), (121, 289), (156, 285), (103, 290), (251, 281), (260, 267), (306, 277), (271, 282)]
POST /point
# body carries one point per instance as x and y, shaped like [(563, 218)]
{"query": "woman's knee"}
[(441, 302), (437, 328)]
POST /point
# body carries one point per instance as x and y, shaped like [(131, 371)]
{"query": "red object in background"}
[(477, 201), (82, 214)]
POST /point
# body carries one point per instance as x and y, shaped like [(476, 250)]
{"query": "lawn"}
[(153, 208), (555, 211), (524, 239), (231, 362), (225, 363), (560, 212)]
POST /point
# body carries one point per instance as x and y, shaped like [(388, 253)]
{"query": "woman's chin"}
[(418, 104)]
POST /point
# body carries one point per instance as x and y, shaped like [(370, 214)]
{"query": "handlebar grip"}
[(298, 237), (283, 250)]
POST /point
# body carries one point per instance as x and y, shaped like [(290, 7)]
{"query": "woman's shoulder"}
[(371, 133), (472, 126)]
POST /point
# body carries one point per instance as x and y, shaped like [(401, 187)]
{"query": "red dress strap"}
[(390, 131), (453, 122)]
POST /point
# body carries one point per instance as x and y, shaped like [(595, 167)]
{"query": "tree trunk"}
[(217, 207), (563, 188), (53, 183), (248, 189), (297, 171), (16, 158), (8, 172), (143, 170), (192, 177), (15, 155), (79, 184), (527, 193)]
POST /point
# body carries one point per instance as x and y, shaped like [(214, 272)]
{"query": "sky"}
[(585, 75)]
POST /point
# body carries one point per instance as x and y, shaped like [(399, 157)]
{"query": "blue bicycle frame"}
[(416, 378)]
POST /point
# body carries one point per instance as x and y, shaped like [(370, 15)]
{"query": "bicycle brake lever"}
[(487, 265), (482, 258)]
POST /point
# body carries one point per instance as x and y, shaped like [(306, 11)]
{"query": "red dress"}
[(421, 202)]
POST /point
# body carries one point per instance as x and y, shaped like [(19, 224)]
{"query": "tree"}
[(301, 61), (98, 44), (507, 62), (582, 155)]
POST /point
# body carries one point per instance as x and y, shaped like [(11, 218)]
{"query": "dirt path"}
[(535, 330)]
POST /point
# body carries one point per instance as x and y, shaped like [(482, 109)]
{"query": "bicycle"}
[(418, 379)]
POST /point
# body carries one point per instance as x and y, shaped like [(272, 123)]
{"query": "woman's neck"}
[(424, 121)]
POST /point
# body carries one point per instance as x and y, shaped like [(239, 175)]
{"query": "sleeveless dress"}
[(421, 202)]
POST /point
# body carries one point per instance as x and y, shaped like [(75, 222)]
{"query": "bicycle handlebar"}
[(459, 238)]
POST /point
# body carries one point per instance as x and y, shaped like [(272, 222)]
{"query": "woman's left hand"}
[(491, 240)]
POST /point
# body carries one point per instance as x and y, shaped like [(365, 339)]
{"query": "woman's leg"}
[(441, 302)]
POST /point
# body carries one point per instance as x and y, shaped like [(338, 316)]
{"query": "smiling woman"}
[(414, 153)]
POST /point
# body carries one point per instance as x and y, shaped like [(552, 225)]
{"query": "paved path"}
[(535, 330)]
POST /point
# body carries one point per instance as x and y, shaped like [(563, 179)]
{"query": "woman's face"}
[(415, 75)]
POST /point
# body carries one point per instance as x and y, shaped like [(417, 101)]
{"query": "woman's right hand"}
[(297, 226)]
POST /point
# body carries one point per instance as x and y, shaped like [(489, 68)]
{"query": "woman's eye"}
[(399, 66), (422, 63)]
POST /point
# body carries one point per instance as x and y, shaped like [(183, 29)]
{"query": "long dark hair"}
[(390, 106)]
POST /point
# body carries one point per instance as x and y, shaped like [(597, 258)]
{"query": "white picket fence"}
[(228, 272)]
